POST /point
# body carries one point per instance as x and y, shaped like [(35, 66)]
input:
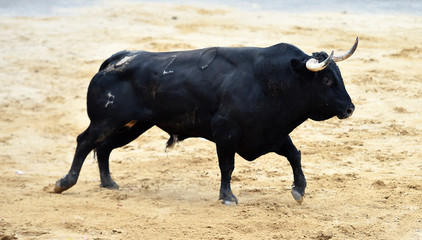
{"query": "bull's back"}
[(189, 76)]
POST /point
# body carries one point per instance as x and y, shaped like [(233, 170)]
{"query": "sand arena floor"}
[(364, 173)]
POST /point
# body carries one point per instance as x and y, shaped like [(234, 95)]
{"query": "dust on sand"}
[(364, 173)]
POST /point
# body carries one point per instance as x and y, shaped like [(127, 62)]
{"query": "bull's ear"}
[(296, 64)]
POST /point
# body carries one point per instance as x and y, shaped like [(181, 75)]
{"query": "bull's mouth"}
[(347, 113)]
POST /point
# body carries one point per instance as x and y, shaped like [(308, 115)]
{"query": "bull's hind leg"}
[(294, 157), (94, 135), (118, 139), (85, 143)]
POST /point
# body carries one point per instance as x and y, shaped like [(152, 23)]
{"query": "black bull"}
[(245, 100)]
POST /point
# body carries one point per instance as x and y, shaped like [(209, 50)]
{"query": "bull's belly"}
[(186, 130), (249, 148), (253, 141)]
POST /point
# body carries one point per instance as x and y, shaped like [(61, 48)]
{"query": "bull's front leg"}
[(294, 157), (226, 134), (226, 163)]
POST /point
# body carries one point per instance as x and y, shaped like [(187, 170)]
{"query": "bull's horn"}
[(346, 55), (313, 65)]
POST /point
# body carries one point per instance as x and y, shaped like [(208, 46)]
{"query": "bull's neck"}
[(294, 105)]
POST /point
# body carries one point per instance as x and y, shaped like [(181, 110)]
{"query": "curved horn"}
[(346, 55), (313, 65)]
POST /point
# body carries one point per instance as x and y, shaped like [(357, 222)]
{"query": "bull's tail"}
[(174, 138), (95, 155)]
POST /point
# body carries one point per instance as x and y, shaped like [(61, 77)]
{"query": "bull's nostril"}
[(349, 111)]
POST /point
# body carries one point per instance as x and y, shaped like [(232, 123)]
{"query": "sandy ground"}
[(364, 173)]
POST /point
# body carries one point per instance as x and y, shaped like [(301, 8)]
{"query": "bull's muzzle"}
[(347, 113)]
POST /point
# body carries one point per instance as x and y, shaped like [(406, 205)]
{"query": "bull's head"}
[(329, 95)]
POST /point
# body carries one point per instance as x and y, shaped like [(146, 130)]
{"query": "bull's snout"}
[(348, 112)]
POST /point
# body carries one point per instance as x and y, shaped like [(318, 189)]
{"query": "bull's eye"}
[(327, 81)]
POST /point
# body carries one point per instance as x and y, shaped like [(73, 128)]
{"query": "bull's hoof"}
[(228, 199), (109, 184), (62, 185), (298, 193), (229, 203)]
